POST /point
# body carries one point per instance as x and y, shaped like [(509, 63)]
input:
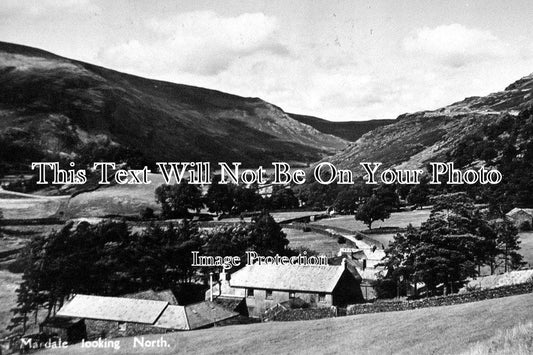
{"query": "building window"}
[(268, 294), (292, 295), (250, 292), (321, 297), (122, 326)]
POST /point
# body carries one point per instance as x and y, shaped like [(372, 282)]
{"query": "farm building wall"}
[(368, 291), (259, 303), (520, 217), (72, 332), (347, 291), (112, 329)]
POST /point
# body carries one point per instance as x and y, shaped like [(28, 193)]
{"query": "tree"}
[(508, 244), (283, 198), (266, 236), (388, 197), (219, 197), (103, 259), (372, 210), (346, 201), (176, 200), (419, 194), (449, 247), (246, 199)]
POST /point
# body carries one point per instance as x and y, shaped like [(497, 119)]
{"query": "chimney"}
[(223, 277), (343, 263), (211, 286), (364, 264)]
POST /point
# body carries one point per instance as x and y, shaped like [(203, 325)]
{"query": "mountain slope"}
[(350, 131), (417, 138), (52, 106)]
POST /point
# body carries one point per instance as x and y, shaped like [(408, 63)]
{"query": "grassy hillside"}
[(440, 330), (515, 341), (350, 131), (8, 298), (52, 106)]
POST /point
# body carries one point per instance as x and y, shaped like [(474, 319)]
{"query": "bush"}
[(147, 213), (341, 240)]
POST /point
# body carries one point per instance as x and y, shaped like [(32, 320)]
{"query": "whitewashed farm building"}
[(265, 286)]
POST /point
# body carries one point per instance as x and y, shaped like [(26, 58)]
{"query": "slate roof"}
[(529, 211), (173, 317), (310, 278), (204, 313), (160, 314), (113, 309), (193, 316), (165, 295)]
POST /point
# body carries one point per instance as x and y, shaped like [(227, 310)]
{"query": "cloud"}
[(37, 8), (455, 45), (251, 55), (201, 42)]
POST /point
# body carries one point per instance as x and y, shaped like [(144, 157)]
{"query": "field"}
[(439, 330), (315, 241), (16, 205), (8, 284), (515, 341), (28, 208), (116, 199), (397, 219)]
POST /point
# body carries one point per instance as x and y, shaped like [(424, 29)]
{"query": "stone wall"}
[(391, 306)]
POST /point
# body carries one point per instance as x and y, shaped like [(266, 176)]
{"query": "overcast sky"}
[(339, 60)]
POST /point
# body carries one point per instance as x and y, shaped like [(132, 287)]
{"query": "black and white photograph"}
[(266, 177)]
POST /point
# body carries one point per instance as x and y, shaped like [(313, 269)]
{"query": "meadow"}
[(397, 220), (438, 330), (9, 282), (315, 241)]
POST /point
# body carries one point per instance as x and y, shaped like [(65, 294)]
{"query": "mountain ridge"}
[(415, 139), (52, 106), (350, 130)]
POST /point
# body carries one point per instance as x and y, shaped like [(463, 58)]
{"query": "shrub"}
[(147, 213)]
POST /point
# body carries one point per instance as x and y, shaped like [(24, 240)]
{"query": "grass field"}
[(116, 199), (515, 341), (397, 219), (439, 330), (318, 242), (8, 284), (27, 208)]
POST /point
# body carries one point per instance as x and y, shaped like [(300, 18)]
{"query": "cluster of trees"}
[(102, 259), (108, 259), (506, 144), (176, 200), (453, 244)]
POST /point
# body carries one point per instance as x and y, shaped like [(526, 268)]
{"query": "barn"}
[(110, 317), (520, 216), (265, 286)]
